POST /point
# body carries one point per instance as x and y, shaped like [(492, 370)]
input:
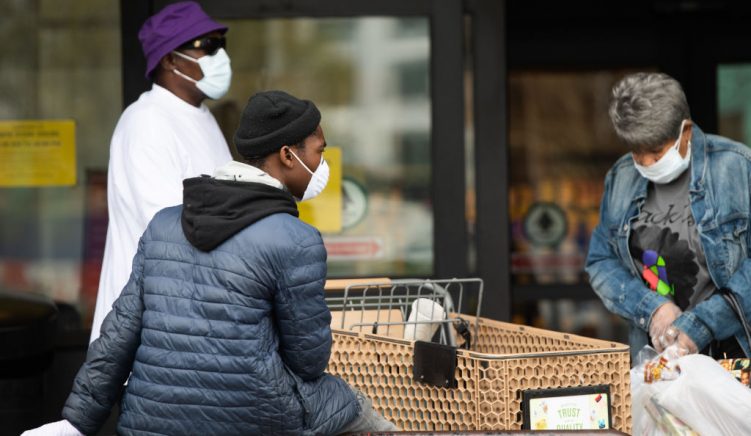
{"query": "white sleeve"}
[(152, 165), (147, 167)]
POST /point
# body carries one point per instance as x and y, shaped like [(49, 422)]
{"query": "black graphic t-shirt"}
[(665, 245)]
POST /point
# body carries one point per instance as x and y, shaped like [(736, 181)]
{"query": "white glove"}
[(685, 343), (659, 327), (58, 428)]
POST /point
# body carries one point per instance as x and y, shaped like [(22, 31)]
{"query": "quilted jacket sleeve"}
[(302, 317), (109, 360)]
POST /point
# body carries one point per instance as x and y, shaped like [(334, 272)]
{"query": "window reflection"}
[(370, 78), (734, 101), (67, 65), (561, 146)]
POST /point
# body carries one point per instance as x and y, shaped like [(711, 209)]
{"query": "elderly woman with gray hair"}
[(673, 235)]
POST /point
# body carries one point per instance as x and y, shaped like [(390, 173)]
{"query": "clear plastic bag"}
[(652, 374)]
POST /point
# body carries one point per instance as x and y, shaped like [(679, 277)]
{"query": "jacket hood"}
[(215, 210)]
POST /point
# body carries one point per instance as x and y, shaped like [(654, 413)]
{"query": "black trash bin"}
[(27, 332)]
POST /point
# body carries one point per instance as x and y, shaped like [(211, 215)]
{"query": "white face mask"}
[(217, 73), (318, 179), (670, 166)]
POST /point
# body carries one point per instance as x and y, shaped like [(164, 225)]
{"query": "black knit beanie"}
[(272, 119)]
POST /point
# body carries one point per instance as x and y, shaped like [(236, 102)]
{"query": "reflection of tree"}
[(369, 77), (19, 60), (295, 55)]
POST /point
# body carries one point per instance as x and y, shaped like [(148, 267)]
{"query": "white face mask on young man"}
[(671, 164), (318, 179), (217, 73)]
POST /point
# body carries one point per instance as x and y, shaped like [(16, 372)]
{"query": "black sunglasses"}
[(209, 44)]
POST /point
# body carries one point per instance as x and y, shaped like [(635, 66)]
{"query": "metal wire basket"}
[(372, 351), (388, 308)]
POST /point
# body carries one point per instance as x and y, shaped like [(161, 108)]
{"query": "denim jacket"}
[(720, 197)]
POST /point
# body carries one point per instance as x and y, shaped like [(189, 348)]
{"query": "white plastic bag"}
[(648, 417), (700, 398), (424, 320), (708, 398)]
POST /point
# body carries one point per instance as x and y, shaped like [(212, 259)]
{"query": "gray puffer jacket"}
[(225, 334)]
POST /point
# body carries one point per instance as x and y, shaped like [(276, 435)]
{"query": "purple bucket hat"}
[(169, 28)]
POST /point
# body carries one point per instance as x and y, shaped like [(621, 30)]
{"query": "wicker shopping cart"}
[(493, 363)]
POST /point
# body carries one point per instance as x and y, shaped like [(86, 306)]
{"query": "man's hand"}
[(661, 321)]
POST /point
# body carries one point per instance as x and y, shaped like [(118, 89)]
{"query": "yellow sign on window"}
[(325, 211), (37, 153)]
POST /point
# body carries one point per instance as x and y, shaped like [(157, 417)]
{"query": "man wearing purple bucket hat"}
[(166, 136)]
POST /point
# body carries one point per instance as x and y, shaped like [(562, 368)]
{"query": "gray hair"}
[(647, 110)]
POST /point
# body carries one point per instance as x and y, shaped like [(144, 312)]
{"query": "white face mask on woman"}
[(217, 73), (671, 164), (318, 179)]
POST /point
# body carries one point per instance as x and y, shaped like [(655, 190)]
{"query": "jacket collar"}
[(698, 158), (240, 172)]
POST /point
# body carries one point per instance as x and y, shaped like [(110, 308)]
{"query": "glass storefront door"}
[(392, 112), (64, 71)]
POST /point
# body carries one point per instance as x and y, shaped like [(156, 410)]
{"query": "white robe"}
[(158, 141)]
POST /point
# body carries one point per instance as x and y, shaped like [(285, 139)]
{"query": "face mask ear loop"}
[(184, 56), (680, 135), (301, 162), (180, 73), (184, 76)]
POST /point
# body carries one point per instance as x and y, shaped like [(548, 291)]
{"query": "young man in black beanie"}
[(223, 322)]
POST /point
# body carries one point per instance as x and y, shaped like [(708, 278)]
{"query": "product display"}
[(740, 368), (687, 395)]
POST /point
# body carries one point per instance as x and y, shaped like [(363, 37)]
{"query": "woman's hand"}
[(661, 322), (686, 345)]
